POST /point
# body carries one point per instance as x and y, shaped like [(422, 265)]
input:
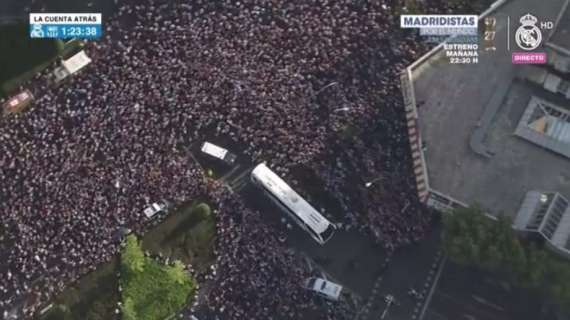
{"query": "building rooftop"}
[(468, 116), (546, 125), (548, 214)]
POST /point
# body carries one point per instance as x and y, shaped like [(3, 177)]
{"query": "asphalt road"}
[(464, 294)]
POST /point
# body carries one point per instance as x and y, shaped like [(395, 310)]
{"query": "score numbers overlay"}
[(66, 25)]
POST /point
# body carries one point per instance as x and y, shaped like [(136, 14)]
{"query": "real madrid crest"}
[(528, 35)]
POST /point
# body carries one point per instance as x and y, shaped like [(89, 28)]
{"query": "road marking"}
[(227, 175), (487, 303), (483, 314), (508, 33), (370, 301), (432, 290)]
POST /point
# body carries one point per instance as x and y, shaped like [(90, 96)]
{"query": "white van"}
[(218, 152), (325, 288)]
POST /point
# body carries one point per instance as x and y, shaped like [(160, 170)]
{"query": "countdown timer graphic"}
[(66, 25)]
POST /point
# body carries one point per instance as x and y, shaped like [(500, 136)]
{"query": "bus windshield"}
[(328, 233)]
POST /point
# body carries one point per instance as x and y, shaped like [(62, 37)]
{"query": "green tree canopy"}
[(132, 257), (152, 290), (58, 312), (128, 310), (472, 239), (177, 273)]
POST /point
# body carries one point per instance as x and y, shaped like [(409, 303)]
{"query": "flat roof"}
[(465, 107)]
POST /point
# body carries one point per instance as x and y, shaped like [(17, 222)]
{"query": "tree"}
[(493, 258), (464, 235), (177, 273), (133, 258), (535, 269), (201, 211), (96, 311), (128, 310), (515, 256), (471, 238), (59, 312), (152, 290)]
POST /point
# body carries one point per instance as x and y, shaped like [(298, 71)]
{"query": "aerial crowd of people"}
[(281, 79), (274, 290), (257, 276)]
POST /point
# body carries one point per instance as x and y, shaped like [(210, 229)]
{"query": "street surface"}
[(464, 294)]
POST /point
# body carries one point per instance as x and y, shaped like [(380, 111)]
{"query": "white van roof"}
[(214, 150)]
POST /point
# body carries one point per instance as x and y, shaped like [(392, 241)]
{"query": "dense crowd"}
[(275, 289), (256, 276), (278, 78), (372, 180)]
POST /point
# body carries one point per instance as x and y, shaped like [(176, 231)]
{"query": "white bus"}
[(300, 210)]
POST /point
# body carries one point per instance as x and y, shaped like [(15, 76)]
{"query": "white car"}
[(325, 288), (154, 209)]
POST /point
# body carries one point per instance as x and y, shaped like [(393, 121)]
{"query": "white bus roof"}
[(214, 150), (292, 199)]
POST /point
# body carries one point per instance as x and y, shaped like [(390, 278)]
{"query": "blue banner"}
[(66, 31)]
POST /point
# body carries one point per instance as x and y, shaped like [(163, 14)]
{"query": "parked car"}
[(323, 287), (155, 208)]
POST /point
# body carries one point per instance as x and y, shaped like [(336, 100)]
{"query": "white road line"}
[(432, 290)]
